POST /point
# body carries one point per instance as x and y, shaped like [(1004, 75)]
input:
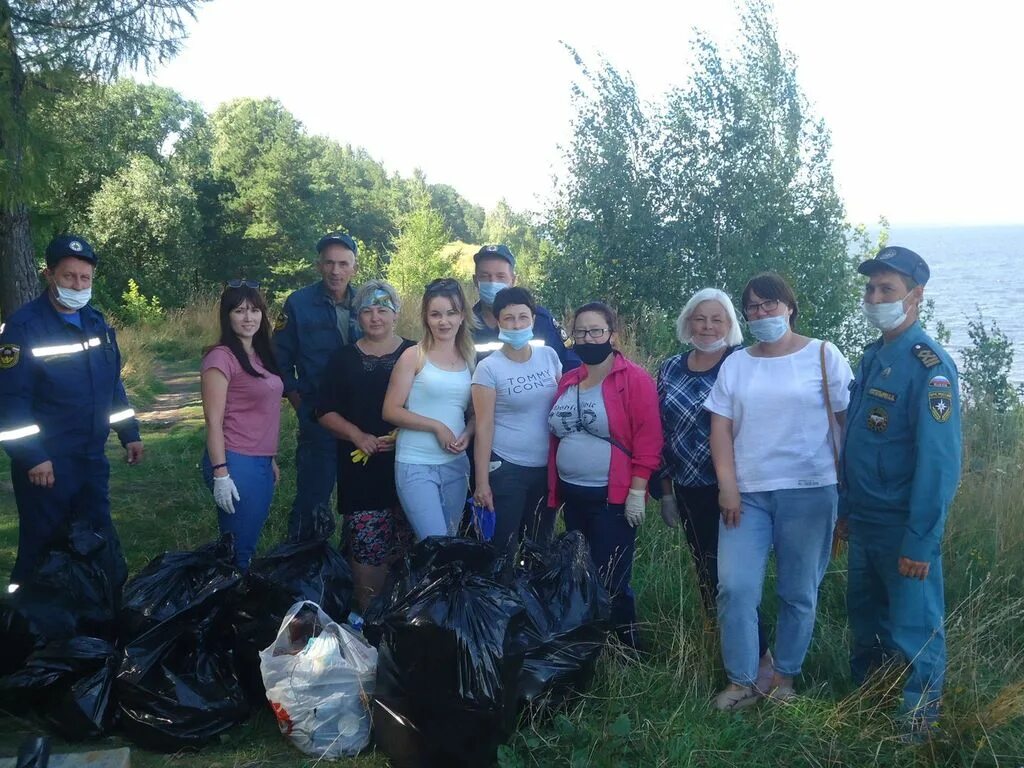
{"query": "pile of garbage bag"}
[(466, 638), (319, 677)]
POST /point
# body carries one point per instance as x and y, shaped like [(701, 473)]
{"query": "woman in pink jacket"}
[(606, 442)]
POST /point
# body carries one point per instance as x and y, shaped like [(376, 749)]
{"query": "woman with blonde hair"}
[(427, 399)]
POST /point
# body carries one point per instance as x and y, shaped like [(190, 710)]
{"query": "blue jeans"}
[(520, 502), (797, 523), (254, 478), (612, 543), (433, 495), (893, 617), (316, 469)]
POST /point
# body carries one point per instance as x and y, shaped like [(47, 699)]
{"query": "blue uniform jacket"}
[(901, 457), (306, 335), (60, 386), (544, 329)]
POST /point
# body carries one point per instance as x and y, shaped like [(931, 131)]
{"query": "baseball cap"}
[(337, 238), (63, 246), (495, 251), (898, 259)]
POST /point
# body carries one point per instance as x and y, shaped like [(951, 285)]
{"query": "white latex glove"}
[(225, 494), (635, 507), (670, 510)]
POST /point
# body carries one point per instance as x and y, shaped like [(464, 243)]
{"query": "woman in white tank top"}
[(427, 400)]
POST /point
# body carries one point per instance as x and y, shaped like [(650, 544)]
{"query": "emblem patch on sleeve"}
[(9, 356), (878, 420), (939, 381), (281, 322), (940, 405), (926, 355)]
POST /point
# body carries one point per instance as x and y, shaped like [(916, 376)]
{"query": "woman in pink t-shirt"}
[(242, 390)]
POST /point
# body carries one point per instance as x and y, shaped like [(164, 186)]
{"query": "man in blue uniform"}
[(317, 320), (496, 269), (901, 467), (60, 395)]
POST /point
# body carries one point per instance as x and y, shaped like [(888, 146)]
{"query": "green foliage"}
[(419, 254), (514, 229), (145, 223), (729, 177), (136, 309), (987, 365)]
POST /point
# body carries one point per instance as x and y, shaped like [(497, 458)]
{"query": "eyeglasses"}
[(595, 333), (239, 282), (765, 306), (442, 284)]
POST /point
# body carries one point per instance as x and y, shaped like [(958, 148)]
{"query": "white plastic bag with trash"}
[(319, 678)]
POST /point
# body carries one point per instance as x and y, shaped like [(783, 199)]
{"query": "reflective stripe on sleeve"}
[(64, 349), (16, 434), (494, 346), (121, 415)]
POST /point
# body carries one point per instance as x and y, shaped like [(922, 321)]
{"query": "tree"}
[(145, 222), (729, 176), (418, 256), (606, 224), (47, 44), (514, 229)]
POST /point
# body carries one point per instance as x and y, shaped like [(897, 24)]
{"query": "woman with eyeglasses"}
[(241, 389), (513, 390), (772, 442), (606, 442), (349, 406), (427, 399)]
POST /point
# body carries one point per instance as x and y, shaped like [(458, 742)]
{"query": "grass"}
[(656, 713)]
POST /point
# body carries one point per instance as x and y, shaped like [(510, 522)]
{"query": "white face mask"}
[(886, 316), (713, 346), (769, 329), (72, 299)]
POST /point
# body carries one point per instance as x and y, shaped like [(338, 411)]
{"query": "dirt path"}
[(180, 402)]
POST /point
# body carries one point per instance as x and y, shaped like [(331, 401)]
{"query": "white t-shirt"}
[(780, 429), (523, 393)]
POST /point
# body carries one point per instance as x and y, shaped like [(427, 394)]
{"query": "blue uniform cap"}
[(63, 246), (337, 238), (495, 252), (898, 259)]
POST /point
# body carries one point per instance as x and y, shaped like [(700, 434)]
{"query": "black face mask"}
[(593, 354)]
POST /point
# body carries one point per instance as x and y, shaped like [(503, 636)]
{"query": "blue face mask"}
[(489, 292), (518, 338), (769, 329)]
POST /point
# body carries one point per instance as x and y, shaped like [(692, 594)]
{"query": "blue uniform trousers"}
[(316, 470), (612, 543), (895, 616), (80, 492)]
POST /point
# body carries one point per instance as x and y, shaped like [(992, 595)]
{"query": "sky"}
[(923, 99)]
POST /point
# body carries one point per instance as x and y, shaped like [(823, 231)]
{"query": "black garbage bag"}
[(69, 683), (175, 581), (569, 611), (422, 562), (304, 570), (450, 655), (176, 685), (76, 591)]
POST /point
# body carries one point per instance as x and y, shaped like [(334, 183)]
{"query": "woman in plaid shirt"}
[(689, 487)]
